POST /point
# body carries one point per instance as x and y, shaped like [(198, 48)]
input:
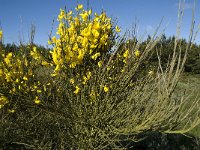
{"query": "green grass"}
[(191, 82)]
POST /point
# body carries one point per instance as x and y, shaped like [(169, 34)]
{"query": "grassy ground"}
[(192, 83)]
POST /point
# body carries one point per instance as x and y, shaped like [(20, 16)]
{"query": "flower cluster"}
[(18, 73), (3, 101), (1, 34), (79, 36), (83, 39)]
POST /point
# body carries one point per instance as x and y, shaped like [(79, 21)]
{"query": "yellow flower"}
[(89, 74), (3, 101), (96, 25), (69, 13), (11, 110), (54, 40), (54, 74), (1, 34), (8, 77), (77, 90), (39, 91), (17, 80), (26, 62), (35, 54), (137, 53), (71, 81), (25, 78), (79, 7), (7, 60), (84, 16), (36, 100), (84, 79), (61, 15), (57, 68), (100, 63), (108, 68), (106, 89), (95, 56), (90, 12), (44, 63), (126, 53), (45, 88), (13, 90), (49, 42), (95, 33), (80, 56), (117, 29), (1, 72), (76, 20), (72, 65), (55, 57)]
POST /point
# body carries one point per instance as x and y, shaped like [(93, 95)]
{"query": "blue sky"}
[(16, 16)]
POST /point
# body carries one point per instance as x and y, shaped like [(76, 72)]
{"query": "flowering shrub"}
[(18, 73), (88, 92), (84, 43)]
